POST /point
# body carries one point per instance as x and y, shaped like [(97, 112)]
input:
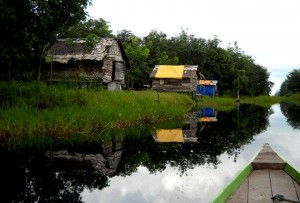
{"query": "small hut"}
[(75, 60), (207, 87), (179, 78)]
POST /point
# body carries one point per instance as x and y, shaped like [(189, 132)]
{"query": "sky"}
[(267, 30)]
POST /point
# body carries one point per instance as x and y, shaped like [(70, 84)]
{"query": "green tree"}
[(138, 54), (291, 83), (83, 29), (158, 44), (29, 28)]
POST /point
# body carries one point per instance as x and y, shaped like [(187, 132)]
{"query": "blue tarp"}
[(208, 90)]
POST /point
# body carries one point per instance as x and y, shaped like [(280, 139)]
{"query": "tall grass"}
[(219, 103), (34, 111), (264, 101), (294, 98)]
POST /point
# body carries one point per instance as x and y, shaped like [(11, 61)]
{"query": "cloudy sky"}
[(267, 30)]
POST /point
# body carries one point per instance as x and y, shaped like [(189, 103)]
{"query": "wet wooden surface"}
[(261, 185)]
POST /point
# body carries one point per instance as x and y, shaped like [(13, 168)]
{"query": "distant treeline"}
[(30, 29), (291, 84)]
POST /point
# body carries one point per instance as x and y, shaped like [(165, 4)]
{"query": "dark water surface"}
[(189, 163)]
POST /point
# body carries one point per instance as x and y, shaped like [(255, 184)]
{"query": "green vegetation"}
[(265, 101), (29, 29), (219, 103), (291, 84), (41, 111), (34, 113), (24, 51), (294, 98)]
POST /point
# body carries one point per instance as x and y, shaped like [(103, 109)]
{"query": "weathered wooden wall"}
[(186, 84), (71, 63)]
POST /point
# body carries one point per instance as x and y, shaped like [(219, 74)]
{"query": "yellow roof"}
[(166, 71), (170, 135)]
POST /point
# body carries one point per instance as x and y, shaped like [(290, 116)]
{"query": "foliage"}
[(83, 29), (59, 111), (139, 72), (290, 111), (291, 83), (264, 101), (29, 28), (231, 67)]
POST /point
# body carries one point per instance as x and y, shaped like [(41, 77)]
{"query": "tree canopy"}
[(29, 28), (291, 84), (28, 34)]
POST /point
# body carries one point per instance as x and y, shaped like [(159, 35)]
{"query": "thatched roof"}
[(64, 50)]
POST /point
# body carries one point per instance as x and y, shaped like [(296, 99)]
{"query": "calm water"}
[(153, 165)]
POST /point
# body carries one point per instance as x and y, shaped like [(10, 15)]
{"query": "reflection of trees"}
[(233, 130), (32, 177), (291, 112), (35, 178)]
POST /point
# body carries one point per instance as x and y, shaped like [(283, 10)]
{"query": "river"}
[(190, 163)]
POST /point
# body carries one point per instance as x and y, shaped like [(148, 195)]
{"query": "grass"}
[(57, 112), (265, 101), (294, 98), (37, 113)]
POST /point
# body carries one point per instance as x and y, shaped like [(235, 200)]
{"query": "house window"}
[(161, 82), (113, 71)]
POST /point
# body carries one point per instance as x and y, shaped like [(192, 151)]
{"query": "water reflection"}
[(291, 112), (133, 159), (194, 122)]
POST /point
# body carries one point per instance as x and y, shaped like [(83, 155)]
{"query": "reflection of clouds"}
[(202, 183), (282, 137)]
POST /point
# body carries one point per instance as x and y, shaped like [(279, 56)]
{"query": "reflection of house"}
[(207, 87), (103, 163), (194, 123), (178, 78), (175, 135), (78, 61), (207, 115)]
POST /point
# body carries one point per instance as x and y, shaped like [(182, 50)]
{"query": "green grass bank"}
[(58, 111)]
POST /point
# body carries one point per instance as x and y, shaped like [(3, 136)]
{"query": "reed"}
[(41, 112), (219, 103), (264, 101), (294, 98)]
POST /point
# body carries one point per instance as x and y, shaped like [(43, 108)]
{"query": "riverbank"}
[(43, 111), (61, 112)]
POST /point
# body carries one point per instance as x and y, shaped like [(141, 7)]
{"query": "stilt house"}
[(74, 60)]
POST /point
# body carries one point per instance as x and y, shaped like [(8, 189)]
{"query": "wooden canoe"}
[(267, 179)]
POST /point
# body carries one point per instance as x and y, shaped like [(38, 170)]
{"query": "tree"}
[(30, 27), (158, 44), (291, 83), (83, 29), (138, 54)]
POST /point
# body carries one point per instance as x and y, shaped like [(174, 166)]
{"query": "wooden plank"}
[(297, 187), (283, 184), (241, 194), (259, 187), (268, 159)]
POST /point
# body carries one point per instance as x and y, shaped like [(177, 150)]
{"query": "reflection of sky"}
[(202, 183)]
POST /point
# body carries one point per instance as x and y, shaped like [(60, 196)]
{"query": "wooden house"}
[(179, 78), (74, 60)]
